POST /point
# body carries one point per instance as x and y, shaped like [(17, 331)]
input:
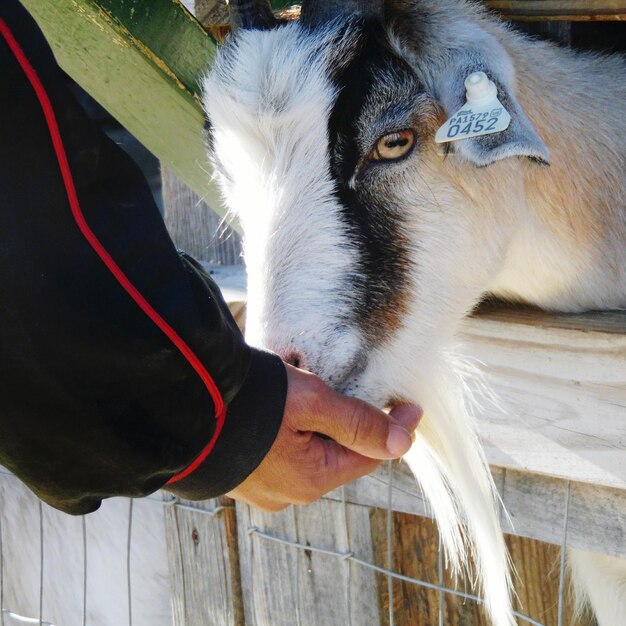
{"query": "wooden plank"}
[(210, 11), (537, 583), (561, 393), (284, 585), (557, 32), (277, 588), (416, 554), (194, 226), (204, 567), (415, 551), (127, 55), (560, 10), (606, 322), (536, 505), (213, 12), (163, 31)]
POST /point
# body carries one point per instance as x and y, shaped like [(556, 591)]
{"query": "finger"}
[(362, 428), (407, 415), (313, 406), (341, 466)]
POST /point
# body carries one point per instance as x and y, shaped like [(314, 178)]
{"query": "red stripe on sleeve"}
[(122, 279)]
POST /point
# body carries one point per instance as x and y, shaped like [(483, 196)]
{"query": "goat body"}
[(69, 567), (364, 265)]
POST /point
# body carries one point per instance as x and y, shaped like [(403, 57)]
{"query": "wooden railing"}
[(560, 10)]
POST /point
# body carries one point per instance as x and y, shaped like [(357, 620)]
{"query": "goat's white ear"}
[(520, 139)]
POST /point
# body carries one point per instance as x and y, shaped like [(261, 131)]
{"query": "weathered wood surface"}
[(214, 13), (605, 322), (287, 586), (284, 584), (415, 542), (536, 506), (194, 226), (560, 10), (414, 551), (561, 392), (557, 32), (204, 565)]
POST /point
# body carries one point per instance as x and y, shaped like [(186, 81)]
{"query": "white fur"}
[(513, 228), (270, 133), (107, 589), (601, 581)]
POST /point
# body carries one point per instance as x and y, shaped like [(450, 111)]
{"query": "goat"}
[(366, 244), (82, 556)]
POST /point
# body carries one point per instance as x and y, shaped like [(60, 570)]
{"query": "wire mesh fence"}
[(347, 560), (42, 570)]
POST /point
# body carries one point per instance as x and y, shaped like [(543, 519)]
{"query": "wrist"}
[(252, 421)]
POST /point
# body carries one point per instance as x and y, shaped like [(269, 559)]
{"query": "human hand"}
[(302, 466)]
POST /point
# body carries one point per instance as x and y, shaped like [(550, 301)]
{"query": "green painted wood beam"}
[(142, 60)]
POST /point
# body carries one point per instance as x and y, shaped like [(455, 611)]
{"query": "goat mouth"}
[(348, 382)]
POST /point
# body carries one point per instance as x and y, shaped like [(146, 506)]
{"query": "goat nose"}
[(295, 358)]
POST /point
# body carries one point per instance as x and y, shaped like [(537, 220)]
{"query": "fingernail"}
[(398, 441), (407, 415)]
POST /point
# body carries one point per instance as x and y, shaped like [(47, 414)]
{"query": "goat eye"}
[(393, 146)]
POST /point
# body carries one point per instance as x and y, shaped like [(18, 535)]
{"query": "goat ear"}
[(520, 139)]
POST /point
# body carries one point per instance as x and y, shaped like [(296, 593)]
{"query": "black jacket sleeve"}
[(121, 368)]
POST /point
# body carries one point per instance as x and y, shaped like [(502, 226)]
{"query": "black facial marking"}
[(373, 220)]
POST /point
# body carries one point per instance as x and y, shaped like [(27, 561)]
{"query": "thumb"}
[(363, 428), (356, 425)]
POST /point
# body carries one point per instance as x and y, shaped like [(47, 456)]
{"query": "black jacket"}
[(120, 366)]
